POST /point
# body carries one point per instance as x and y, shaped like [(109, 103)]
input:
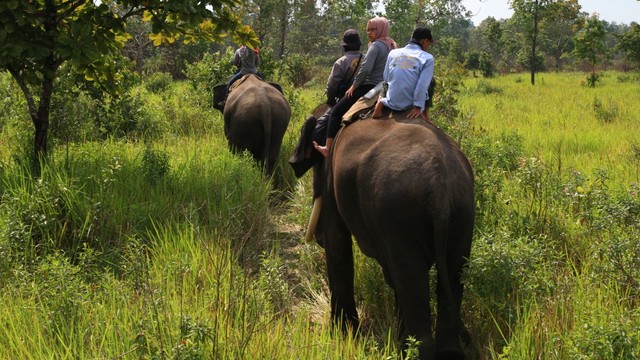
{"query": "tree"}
[(39, 36), (590, 45), (488, 37), (629, 44), (558, 29), (529, 13), (306, 16), (447, 19)]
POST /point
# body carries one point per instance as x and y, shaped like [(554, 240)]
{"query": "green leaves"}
[(38, 36), (590, 41), (630, 43)]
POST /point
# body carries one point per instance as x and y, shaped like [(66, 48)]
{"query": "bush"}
[(158, 82), (507, 272), (605, 113), (297, 68), (83, 112), (485, 88), (593, 79), (42, 217), (211, 70), (155, 164)]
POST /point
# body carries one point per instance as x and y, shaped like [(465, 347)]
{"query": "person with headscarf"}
[(408, 74), (368, 76)]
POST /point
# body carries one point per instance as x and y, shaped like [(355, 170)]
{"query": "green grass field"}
[(573, 126)]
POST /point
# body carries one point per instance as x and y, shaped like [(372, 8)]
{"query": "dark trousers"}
[(341, 107)]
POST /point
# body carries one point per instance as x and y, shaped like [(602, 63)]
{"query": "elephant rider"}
[(340, 79), (315, 128), (344, 69), (369, 75), (408, 74), (246, 61)]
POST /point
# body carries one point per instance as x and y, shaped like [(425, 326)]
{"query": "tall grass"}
[(554, 262)]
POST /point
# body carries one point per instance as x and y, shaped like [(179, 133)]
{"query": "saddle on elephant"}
[(237, 83), (221, 91)]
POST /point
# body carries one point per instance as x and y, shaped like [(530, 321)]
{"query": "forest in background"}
[(310, 32)]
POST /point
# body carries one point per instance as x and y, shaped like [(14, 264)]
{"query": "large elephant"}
[(256, 116), (405, 191)]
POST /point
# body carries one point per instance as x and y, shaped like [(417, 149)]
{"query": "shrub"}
[(593, 79), (74, 113), (41, 217), (158, 82), (155, 164), (272, 282), (211, 70), (605, 113), (61, 292), (484, 87), (297, 68), (505, 272)]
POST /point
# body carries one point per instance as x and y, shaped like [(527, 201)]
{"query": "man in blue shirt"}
[(408, 73)]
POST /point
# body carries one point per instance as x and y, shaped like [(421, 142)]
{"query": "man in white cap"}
[(408, 73)]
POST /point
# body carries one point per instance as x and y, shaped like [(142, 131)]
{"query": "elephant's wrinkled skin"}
[(405, 191), (256, 116)]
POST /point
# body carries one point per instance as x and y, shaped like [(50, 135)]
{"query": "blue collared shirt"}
[(408, 73)]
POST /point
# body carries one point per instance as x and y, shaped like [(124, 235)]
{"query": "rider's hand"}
[(415, 113)]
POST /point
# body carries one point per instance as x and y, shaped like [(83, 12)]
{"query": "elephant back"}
[(256, 117), (398, 160)]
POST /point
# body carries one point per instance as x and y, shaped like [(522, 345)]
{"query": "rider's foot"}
[(324, 150)]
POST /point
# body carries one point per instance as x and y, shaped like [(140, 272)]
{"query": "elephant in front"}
[(405, 191), (256, 116)]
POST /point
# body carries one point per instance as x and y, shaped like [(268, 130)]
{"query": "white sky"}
[(619, 11)]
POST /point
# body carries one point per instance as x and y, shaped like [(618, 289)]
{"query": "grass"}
[(169, 246), (558, 119)]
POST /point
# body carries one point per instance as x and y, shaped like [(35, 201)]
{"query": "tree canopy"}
[(37, 37)]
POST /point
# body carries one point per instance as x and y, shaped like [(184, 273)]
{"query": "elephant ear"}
[(320, 110), (219, 94), (277, 86)]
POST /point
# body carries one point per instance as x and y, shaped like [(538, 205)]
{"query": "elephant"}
[(405, 191), (256, 117)]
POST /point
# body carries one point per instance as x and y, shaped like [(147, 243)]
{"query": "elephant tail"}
[(269, 156), (441, 236)]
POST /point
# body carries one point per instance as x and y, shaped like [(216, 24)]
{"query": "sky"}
[(619, 11)]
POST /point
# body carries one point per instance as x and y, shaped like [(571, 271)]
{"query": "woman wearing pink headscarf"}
[(368, 76)]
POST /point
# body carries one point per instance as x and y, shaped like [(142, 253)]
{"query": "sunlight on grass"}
[(558, 121)]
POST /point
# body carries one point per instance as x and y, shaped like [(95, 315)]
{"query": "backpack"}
[(345, 84)]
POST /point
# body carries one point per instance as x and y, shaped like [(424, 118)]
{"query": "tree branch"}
[(17, 75)]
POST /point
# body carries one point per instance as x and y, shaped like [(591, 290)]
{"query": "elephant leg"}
[(410, 277), (339, 257), (269, 166), (449, 325)]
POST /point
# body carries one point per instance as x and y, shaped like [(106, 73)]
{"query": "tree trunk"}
[(41, 118), (39, 114), (534, 43), (283, 27)]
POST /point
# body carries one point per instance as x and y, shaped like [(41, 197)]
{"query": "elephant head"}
[(405, 191), (256, 116)]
